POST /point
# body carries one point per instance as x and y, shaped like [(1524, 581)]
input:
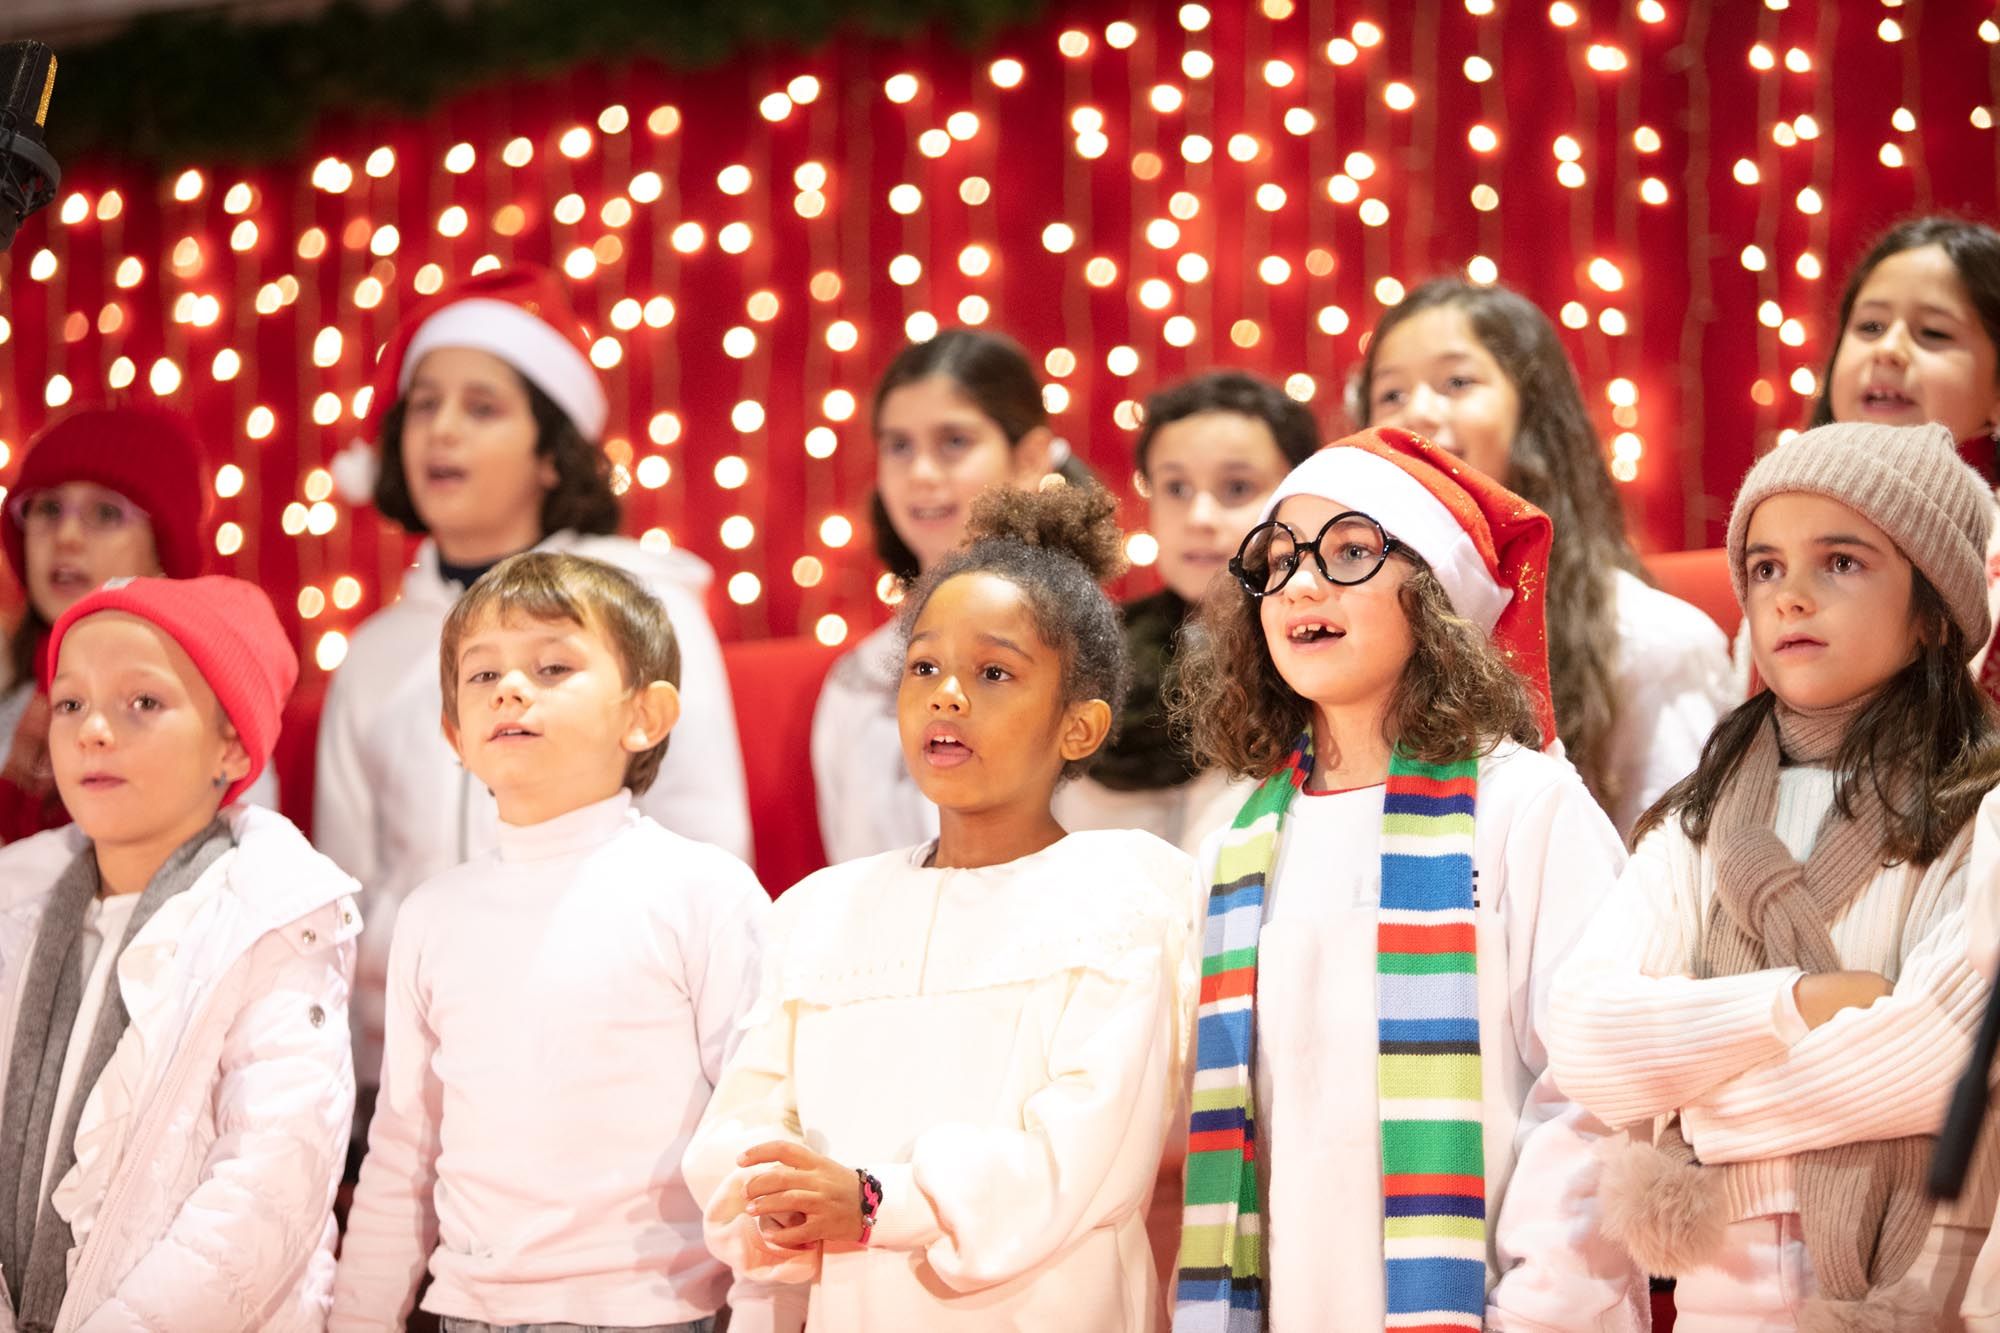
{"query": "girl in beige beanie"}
[(1779, 982)]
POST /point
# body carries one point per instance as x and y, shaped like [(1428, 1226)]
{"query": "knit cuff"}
[(906, 1220)]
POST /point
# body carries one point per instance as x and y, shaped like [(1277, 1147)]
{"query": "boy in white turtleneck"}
[(559, 1008)]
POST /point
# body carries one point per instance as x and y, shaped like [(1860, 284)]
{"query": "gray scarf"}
[(34, 1239)]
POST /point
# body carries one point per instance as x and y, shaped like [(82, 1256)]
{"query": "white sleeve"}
[(392, 1226), (987, 1205), (699, 791), (1669, 701), (753, 1103), (345, 827), (284, 1102), (1883, 1072), (1632, 1034), (1557, 1270), (857, 762), (1982, 889)]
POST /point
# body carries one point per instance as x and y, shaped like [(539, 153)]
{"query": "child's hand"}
[(1821, 995), (822, 1195)]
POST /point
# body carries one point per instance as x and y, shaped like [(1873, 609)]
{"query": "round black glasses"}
[(1351, 548)]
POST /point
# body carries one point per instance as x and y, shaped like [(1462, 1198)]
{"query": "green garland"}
[(173, 89)]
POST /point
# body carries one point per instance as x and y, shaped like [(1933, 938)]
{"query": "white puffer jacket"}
[(209, 1150)]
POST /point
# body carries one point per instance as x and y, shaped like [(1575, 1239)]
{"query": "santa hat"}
[(229, 630), (1487, 546), (520, 314), (149, 455)]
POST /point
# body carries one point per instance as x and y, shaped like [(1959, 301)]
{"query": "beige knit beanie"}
[(1908, 481)]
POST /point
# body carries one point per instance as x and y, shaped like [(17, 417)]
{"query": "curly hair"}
[(1930, 722), (1058, 546), (1457, 695), (1557, 465), (581, 500)]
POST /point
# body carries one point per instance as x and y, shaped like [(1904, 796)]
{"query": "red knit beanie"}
[(150, 456), (229, 629)]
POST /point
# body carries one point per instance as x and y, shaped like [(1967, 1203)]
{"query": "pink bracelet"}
[(871, 1199)]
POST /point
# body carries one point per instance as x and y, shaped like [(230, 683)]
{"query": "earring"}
[(219, 781)]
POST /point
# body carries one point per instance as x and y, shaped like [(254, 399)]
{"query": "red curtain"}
[(1319, 119)]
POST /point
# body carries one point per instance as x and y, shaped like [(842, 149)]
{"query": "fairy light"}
[(123, 371), (821, 442), (1332, 320), (921, 326), (1120, 35), (838, 405), (1482, 138)]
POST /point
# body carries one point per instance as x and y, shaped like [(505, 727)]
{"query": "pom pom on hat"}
[(229, 630), (1487, 546), (520, 314), (150, 456)]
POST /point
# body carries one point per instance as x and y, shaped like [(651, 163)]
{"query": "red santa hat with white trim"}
[(1486, 545), (520, 314)]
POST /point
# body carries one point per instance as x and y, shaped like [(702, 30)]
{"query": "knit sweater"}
[(1633, 1035)]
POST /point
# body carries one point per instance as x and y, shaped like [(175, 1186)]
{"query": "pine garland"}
[(168, 90)]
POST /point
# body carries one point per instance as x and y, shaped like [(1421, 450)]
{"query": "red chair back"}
[(1700, 577), (775, 683)]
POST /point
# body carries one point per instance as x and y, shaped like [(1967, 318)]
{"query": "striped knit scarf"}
[(1427, 998)]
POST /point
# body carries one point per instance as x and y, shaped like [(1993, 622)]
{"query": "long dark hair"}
[(1930, 724), (1974, 250), (24, 646), (991, 370), (581, 500), (1557, 465)]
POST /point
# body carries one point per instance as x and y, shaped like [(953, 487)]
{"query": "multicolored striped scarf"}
[(1427, 1070)]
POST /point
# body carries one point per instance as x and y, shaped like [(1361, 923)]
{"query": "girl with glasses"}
[(1385, 913)]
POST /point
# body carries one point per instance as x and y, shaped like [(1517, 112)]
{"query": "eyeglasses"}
[(1350, 549), (99, 515)]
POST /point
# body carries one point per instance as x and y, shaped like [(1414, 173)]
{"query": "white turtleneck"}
[(558, 1013)]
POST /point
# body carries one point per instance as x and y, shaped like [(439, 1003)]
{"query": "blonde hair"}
[(549, 586)]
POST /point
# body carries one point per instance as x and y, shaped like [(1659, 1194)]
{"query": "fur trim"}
[(1900, 1307), (1670, 1216)]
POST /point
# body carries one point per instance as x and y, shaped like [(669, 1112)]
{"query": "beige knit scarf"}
[(1863, 1208)]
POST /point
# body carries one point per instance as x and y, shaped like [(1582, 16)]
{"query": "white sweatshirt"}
[(1635, 1036), (1544, 856), (559, 1009), (392, 804), (1673, 684), (868, 802), (1000, 1047)]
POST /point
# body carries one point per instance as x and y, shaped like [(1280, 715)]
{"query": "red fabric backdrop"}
[(1706, 366)]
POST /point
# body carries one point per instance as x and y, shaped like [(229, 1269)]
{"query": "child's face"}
[(469, 455), (1829, 600), (77, 535), (1914, 350), (546, 718), (935, 452), (1434, 378), (1207, 478), (1336, 646), (980, 707), (136, 736)]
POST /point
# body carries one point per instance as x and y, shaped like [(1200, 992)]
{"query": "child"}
[(1781, 973), (106, 492), (488, 412), (1211, 451), (174, 970), (1640, 677), (953, 416), (1386, 914), (949, 1105), (559, 1006), (1918, 333)]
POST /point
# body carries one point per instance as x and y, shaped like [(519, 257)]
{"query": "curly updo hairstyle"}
[(1057, 545)]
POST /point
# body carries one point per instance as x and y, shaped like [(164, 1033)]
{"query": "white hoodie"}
[(208, 1152), (395, 807)]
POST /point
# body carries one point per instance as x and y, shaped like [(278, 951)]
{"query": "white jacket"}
[(208, 1153), (394, 807)]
